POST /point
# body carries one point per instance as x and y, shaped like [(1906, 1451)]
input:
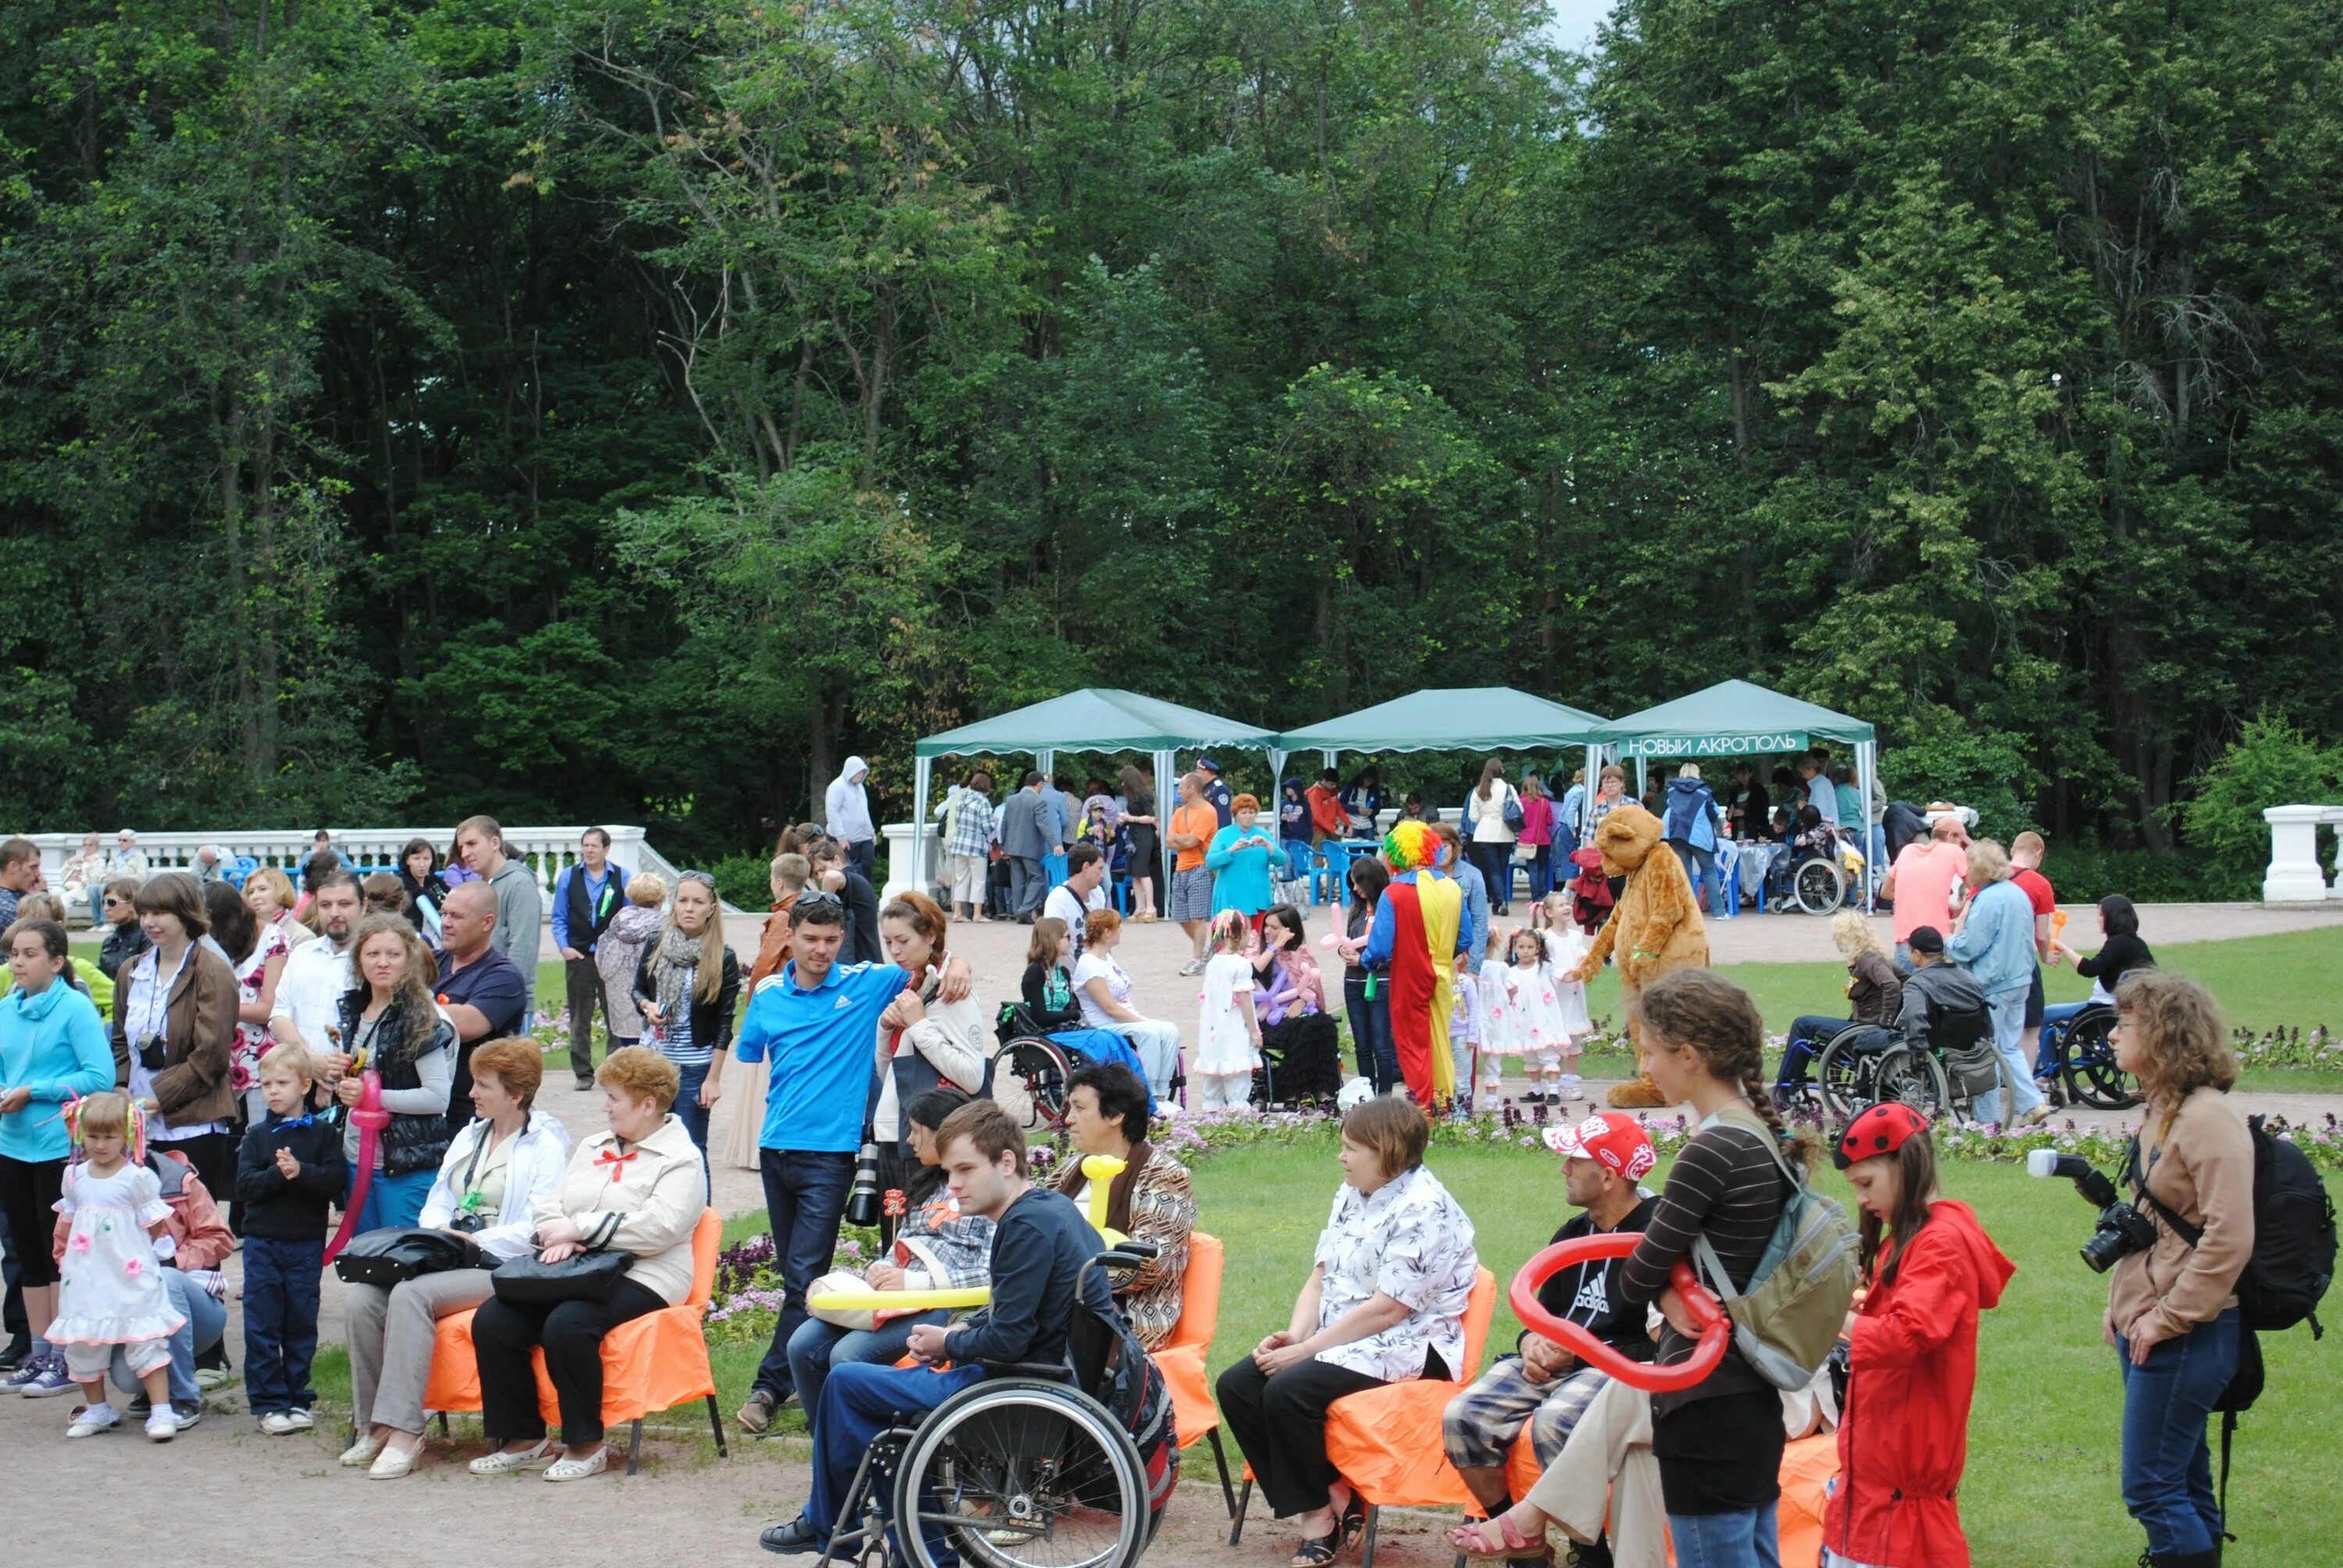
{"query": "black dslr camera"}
[(2122, 1229)]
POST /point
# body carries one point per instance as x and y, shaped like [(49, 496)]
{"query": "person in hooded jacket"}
[(1903, 1435), (846, 813), (1690, 817)]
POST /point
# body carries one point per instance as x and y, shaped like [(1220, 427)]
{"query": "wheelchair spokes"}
[(1025, 1477)]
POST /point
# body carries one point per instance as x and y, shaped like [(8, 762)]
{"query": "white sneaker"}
[(499, 1462), (209, 1378), (394, 1462), (162, 1427), (579, 1469), (90, 1420), (299, 1419), (278, 1423), (362, 1452)]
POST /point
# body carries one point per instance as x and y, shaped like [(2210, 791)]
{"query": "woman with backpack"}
[(1902, 1434), (2172, 1308), (1717, 1444), (1492, 820)]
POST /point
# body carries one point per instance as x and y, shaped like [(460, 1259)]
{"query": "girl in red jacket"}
[(1903, 1436)]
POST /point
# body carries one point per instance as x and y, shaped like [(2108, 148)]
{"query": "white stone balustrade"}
[(544, 850), (2295, 875)]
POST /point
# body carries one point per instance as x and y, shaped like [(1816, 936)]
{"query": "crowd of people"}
[(240, 1030)]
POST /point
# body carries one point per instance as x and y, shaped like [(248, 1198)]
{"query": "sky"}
[(1574, 21)]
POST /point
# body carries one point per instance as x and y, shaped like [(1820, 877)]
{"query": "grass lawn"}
[(2290, 981)]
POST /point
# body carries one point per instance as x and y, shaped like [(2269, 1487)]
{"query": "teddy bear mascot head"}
[(1656, 926)]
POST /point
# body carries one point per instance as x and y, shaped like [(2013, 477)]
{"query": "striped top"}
[(1725, 1186)]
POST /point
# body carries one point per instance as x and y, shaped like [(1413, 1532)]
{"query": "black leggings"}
[(1280, 1423), (29, 1190), (571, 1332)]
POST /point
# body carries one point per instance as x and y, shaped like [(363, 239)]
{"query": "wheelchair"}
[(1821, 882), (2084, 1063), (1033, 1467), (1869, 1065)]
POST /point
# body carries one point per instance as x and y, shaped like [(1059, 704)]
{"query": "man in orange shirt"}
[(1191, 903), (1327, 814)]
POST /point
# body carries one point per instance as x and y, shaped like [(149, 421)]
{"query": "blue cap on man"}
[(1207, 765)]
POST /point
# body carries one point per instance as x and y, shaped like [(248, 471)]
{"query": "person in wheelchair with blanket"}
[(1041, 1244)]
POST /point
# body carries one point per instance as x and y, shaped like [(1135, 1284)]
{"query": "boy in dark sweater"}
[(288, 1176), (1040, 1244)]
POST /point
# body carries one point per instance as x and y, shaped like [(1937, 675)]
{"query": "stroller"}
[(1589, 891)]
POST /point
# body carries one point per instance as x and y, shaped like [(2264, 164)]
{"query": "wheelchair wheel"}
[(1913, 1077), (1846, 1076), (1043, 1069), (1017, 1472), (1818, 886), (2087, 1063)]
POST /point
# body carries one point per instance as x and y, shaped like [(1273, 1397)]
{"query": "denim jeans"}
[(1541, 869), (1495, 864), (817, 1346), (207, 1323), (859, 1403), (688, 1108), (1700, 870), (1370, 1031), (1743, 1540), (394, 1201), (1808, 1035), (2008, 1011), (280, 1321), (2167, 1471), (805, 1195), (2048, 1048)]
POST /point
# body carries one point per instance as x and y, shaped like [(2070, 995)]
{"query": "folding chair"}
[(1386, 1441), (1181, 1359)]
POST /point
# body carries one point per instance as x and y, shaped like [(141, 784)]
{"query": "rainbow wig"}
[(108, 1110), (1410, 846)]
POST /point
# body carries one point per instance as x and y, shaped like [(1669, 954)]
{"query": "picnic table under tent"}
[(1095, 719), (1740, 719)]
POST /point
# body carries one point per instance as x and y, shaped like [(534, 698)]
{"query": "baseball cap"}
[(1926, 940), (1882, 1130), (1207, 762), (1614, 1140)]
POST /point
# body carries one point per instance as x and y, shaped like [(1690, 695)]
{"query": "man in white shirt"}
[(309, 991), (1083, 889)]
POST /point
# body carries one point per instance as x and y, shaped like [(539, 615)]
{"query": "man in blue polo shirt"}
[(816, 1021)]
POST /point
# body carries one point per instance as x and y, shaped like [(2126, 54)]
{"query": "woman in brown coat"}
[(175, 1030)]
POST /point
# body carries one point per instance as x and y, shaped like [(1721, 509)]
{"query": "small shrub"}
[(2271, 764)]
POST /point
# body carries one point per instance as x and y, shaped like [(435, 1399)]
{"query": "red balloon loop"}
[(1715, 1328), (369, 1118)]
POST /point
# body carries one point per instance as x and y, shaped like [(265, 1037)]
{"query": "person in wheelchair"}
[(1041, 1242), (1874, 995), (2122, 952), (1935, 988)]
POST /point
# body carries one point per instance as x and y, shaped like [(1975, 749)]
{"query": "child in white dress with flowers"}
[(1227, 1045), (112, 1292), (1564, 1023)]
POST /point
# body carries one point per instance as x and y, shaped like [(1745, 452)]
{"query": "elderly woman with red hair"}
[(1241, 857)]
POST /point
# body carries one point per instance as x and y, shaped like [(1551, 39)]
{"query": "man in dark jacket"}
[(1040, 1244), (1544, 1385), (1936, 989), (1025, 843), (587, 896)]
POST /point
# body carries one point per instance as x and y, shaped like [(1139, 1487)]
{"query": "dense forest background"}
[(624, 410)]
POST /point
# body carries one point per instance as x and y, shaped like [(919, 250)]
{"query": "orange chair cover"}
[(454, 1382), (1386, 1440), (660, 1360), (1181, 1358)]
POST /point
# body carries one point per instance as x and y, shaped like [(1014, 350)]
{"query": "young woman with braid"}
[(1718, 1444)]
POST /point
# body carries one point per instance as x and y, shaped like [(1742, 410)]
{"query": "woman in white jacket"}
[(926, 1042), (498, 1169), (1490, 835), (640, 1189)]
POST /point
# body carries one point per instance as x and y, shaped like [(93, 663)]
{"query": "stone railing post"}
[(2294, 876)]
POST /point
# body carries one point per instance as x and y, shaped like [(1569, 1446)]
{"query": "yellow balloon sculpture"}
[(1102, 1169)]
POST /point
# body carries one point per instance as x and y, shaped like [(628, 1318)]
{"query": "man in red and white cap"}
[(1543, 1385)]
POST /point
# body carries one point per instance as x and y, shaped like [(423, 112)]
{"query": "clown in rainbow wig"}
[(1416, 937)]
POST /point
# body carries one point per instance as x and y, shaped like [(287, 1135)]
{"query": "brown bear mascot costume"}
[(1654, 928)]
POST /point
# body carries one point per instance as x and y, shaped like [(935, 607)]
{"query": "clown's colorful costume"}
[(1415, 939)]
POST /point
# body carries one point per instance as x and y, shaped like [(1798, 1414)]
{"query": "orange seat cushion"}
[(1194, 1413), (455, 1381), (1386, 1443)]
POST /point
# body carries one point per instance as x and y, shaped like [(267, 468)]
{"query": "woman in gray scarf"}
[(687, 987)]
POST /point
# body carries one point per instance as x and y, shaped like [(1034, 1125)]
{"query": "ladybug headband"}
[(1882, 1130)]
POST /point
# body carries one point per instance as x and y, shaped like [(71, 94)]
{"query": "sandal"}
[(1352, 1522), (1317, 1551), (1471, 1539)]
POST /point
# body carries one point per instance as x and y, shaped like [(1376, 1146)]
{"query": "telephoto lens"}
[(862, 1202)]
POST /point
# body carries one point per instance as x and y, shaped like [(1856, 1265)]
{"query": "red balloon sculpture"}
[(369, 1118), (1715, 1328)]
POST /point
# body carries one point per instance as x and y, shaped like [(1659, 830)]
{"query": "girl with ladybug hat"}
[(1929, 1269)]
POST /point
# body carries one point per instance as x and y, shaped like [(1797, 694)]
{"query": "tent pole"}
[(921, 767), (1166, 800), (1866, 766)]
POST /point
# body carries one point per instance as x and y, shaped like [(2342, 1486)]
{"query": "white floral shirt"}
[(1409, 1241)]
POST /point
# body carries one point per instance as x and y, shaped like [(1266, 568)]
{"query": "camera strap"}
[(2192, 1234)]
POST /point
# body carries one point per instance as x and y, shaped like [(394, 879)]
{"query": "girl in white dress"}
[(112, 1291), (1229, 1044), (1561, 1020)]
